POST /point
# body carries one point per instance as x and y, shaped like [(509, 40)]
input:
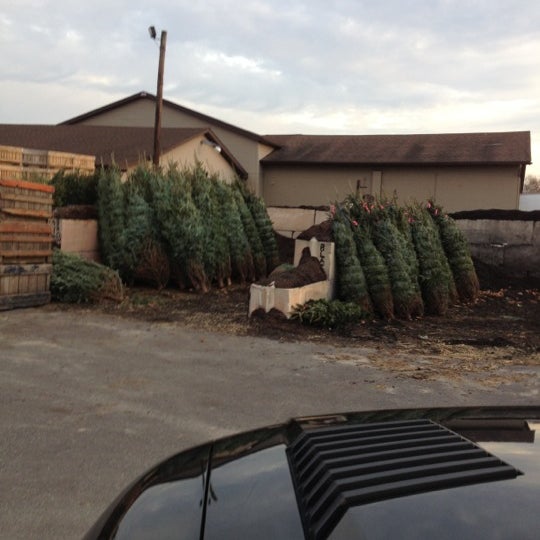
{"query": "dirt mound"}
[(503, 215), (322, 232), (76, 212), (309, 270)]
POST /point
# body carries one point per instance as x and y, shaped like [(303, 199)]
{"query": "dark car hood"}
[(249, 485)]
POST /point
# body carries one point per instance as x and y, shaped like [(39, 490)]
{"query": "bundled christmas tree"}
[(436, 281), (351, 281), (457, 251), (214, 241), (392, 246), (111, 217), (264, 226), (152, 263), (250, 228), (77, 280), (377, 277), (182, 229), (239, 248)]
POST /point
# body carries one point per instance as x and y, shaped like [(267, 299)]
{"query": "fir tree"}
[(435, 281), (351, 282), (111, 217), (457, 251), (240, 251), (257, 250), (264, 226)]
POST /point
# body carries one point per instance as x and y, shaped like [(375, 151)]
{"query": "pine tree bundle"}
[(76, 280), (239, 248), (401, 220), (146, 181), (153, 264), (391, 244), (257, 250), (458, 254), (138, 228), (110, 216), (351, 281), (182, 229), (435, 281), (264, 226), (223, 263), (204, 200), (375, 271)]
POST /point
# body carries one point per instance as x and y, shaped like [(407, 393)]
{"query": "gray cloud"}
[(320, 66)]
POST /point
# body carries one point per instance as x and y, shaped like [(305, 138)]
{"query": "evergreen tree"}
[(435, 281), (111, 217), (390, 243), (264, 226), (239, 249), (351, 282), (182, 230), (257, 250), (457, 251)]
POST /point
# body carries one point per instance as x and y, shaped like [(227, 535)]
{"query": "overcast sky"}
[(348, 66)]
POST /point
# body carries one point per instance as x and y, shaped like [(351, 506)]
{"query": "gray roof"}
[(419, 149), (125, 146)]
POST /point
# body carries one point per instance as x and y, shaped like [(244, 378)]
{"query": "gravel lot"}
[(90, 399)]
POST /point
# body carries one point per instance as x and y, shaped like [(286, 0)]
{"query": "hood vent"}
[(334, 468)]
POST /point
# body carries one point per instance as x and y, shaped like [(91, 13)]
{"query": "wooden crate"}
[(11, 154), (70, 162), (29, 174), (20, 199), (25, 242), (24, 285), (59, 160), (84, 163), (34, 158)]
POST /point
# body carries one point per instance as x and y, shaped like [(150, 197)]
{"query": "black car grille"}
[(337, 467)]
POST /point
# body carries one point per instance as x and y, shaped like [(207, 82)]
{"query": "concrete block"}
[(291, 219), (490, 231), (284, 300), (79, 235), (321, 216), (489, 254), (522, 260), (536, 235)]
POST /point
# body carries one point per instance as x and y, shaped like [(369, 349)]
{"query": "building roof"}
[(125, 146), (210, 120), (420, 149)]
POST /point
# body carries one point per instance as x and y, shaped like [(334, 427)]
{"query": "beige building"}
[(128, 147), (461, 171), (139, 111)]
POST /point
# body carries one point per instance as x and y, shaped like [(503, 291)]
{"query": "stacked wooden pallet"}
[(25, 243), (27, 164)]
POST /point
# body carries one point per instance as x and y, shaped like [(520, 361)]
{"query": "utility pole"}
[(159, 98)]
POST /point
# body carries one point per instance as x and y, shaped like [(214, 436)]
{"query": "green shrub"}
[(76, 280), (74, 189), (332, 314)]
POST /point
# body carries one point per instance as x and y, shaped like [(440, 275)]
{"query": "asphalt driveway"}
[(89, 401)]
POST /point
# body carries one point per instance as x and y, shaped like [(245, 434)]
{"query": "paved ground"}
[(89, 401)]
